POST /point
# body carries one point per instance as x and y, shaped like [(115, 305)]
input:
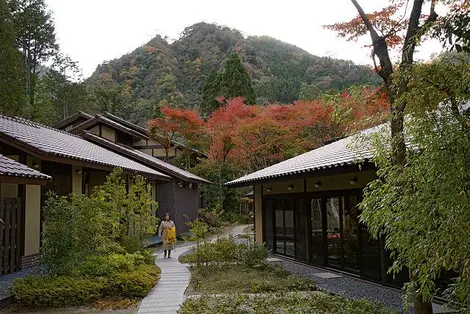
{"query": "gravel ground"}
[(349, 287), (7, 280)]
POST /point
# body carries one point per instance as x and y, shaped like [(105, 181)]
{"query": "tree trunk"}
[(421, 306), (167, 153), (397, 106)]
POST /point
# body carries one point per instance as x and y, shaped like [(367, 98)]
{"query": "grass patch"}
[(242, 279), (314, 303)]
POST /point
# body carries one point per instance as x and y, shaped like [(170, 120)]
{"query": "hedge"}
[(62, 291)]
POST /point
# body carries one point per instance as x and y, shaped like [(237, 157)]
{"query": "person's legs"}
[(169, 253), (164, 253)]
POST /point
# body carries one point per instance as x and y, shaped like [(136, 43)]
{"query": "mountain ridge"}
[(174, 72)]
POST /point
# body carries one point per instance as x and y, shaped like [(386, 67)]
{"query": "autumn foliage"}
[(174, 124), (251, 137)]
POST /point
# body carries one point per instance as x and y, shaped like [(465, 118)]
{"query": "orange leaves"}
[(174, 123), (254, 137), (388, 22)]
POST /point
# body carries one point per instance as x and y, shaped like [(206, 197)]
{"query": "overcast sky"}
[(93, 31)]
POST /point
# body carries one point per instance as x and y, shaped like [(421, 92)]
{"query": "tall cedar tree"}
[(401, 25), (35, 38), (11, 67), (230, 82)]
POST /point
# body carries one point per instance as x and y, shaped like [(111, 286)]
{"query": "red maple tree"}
[(174, 124)]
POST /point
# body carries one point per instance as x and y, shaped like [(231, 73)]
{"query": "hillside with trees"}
[(161, 72)]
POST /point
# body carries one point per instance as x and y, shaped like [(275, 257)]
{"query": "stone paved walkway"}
[(168, 295)]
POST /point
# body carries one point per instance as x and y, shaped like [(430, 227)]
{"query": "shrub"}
[(62, 291), (57, 291), (145, 257), (252, 254), (74, 229), (227, 251), (104, 265), (133, 284)]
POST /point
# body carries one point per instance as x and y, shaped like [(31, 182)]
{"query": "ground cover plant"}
[(231, 277), (314, 303)]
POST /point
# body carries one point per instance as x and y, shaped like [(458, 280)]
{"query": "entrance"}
[(322, 230), (335, 232)]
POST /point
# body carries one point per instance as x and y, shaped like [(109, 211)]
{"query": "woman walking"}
[(167, 231)]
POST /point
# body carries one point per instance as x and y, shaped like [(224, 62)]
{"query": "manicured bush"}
[(57, 291), (227, 251), (104, 265), (132, 284), (62, 291)]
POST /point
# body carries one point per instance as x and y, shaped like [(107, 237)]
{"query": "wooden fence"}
[(11, 234)]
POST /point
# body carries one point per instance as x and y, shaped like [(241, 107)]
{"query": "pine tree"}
[(231, 81), (35, 38), (235, 81), (11, 66)]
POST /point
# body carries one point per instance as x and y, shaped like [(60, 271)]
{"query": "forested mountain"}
[(175, 72)]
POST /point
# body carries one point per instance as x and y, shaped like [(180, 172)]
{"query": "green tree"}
[(35, 38), (231, 81), (235, 81), (217, 195), (422, 208), (210, 91), (309, 92), (59, 92), (74, 229), (11, 66), (130, 220)]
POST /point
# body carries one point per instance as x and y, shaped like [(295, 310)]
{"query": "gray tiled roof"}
[(12, 168), (340, 153), (147, 159), (77, 116), (48, 141)]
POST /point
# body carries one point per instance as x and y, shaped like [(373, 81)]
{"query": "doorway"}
[(336, 236)]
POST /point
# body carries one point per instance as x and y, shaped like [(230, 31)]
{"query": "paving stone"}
[(168, 295)]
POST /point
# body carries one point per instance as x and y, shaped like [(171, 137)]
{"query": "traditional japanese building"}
[(181, 195), (36, 159), (306, 208)]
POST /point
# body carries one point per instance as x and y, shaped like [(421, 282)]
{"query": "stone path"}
[(168, 295)]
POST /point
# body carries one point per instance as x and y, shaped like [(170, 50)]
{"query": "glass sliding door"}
[(268, 224), (351, 234), (317, 245), (301, 226), (285, 227), (370, 256), (280, 231), (289, 228), (333, 231)]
